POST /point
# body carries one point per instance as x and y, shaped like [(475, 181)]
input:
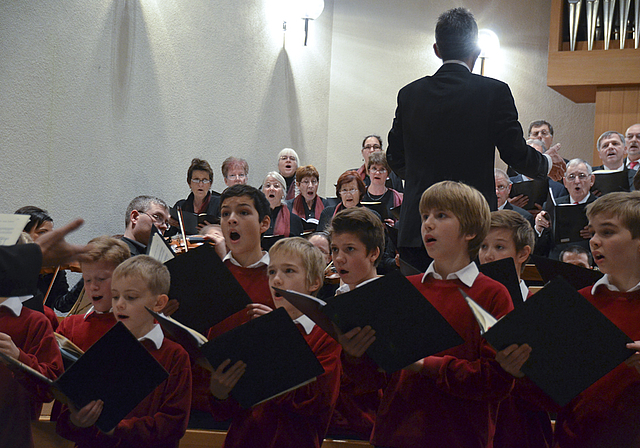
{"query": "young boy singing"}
[(160, 420), (449, 399), (300, 418)]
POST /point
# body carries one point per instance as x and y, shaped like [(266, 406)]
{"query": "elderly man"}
[(425, 142), (541, 130), (503, 189), (142, 213), (612, 151), (578, 180), (632, 139)]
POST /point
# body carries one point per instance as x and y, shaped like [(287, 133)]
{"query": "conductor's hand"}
[(559, 166), (356, 341), (634, 360), (88, 415), (513, 357), (223, 382), (257, 309), (55, 249)]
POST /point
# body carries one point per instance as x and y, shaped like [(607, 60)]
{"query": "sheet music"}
[(10, 228), (158, 249)]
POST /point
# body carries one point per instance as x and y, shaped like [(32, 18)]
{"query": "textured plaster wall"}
[(105, 100), (381, 45)]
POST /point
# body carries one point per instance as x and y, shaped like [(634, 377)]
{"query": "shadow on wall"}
[(280, 112), (122, 54)]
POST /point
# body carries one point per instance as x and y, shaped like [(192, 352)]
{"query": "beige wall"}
[(102, 101)]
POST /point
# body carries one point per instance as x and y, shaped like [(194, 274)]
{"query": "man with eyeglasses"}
[(578, 180), (142, 213), (503, 189)]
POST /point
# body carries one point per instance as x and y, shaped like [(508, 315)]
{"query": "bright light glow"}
[(489, 43), (301, 9)]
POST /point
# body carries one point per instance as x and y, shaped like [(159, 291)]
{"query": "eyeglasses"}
[(542, 133), (309, 182), (378, 170), (236, 176), (372, 147), (285, 158), (351, 191), (501, 187), (572, 176), (201, 181), (158, 220)]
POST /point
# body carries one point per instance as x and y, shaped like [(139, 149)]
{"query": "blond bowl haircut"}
[(622, 205), (378, 158), (466, 203), (364, 224), (109, 249), (312, 259), (521, 230), (154, 274)]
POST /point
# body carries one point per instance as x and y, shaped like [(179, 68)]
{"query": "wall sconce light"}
[(305, 10), (489, 46)]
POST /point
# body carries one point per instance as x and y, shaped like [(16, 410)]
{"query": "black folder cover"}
[(207, 291), (504, 271), (408, 327), (536, 190), (576, 276), (573, 344), (568, 222), (117, 369), (610, 181), (277, 356), (269, 240)]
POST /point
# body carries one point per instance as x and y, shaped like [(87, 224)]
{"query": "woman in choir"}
[(235, 171), (40, 222), (283, 222), (307, 205), (350, 189), (377, 191), (201, 199), (288, 162), (370, 145)]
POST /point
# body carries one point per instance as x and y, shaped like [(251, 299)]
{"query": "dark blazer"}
[(447, 127), (545, 243), (525, 214), (19, 269)]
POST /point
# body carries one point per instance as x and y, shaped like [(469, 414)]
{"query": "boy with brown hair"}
[(97, 269), (449, 399), (160, 420), (299, 418)]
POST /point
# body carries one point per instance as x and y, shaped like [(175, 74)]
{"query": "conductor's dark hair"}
[(456, 34), (37, 217), (260, 201)]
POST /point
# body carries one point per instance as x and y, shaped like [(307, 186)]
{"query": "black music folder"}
[(504, 271), (207, 291), (187, 337), (607, 181), (573, 344), (117, 369), (377, 207), (408, 327), (277, 356), (536, 190), (568, 221), (268, 241), (576, 276)]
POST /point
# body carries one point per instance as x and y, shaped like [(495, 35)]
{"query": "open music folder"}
[(117, 369), (576, 276), (573, 344), (504, 271), (408, 327), (207, 291)]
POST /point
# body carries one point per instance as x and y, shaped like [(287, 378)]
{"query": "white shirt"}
[(262, 261), (524, 290), (306, 323), (466, 275), (155, 335), (605, 282), (345, 288), (14, 304)]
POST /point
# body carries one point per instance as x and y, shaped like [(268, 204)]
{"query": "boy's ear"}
[(469, 237), (316, 285), (374, 254), (161, 302), (264, 225), (523, 255)]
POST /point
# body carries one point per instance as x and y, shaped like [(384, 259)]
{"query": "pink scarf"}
[(283, 222)]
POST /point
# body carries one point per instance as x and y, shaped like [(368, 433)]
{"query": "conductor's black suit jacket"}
[(446, 128)]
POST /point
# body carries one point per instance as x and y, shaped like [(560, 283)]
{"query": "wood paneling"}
[(617, 108)]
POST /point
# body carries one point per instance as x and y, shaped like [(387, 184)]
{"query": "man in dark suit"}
[(503, 189), (448, 125), (578, 180), (612, 150)]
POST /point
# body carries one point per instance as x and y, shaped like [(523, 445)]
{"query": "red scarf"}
[(283, 222), (205, 204), (362, 171), (298, 207)]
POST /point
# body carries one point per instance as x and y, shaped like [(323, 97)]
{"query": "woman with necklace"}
[(377, 191)]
